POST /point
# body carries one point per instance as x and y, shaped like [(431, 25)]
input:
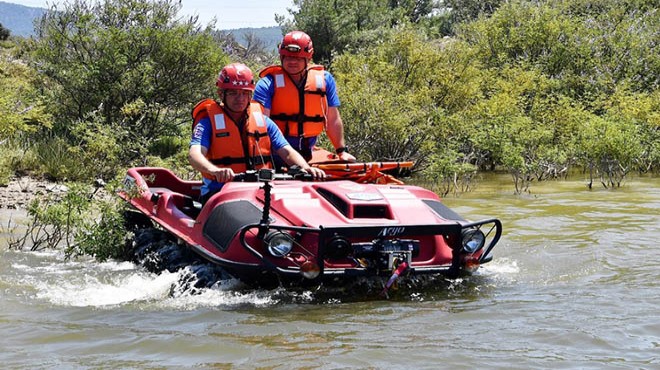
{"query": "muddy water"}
[(574, 284)]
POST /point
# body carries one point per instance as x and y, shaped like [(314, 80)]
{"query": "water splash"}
[(96, 291), (47, 276)]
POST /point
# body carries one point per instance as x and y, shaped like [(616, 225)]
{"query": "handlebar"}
[(369, 172), (267, 175)]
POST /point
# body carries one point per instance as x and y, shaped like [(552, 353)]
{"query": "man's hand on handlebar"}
[(223, 174), (317, 173)]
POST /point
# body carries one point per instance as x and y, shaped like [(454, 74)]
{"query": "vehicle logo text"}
[(392, 231)]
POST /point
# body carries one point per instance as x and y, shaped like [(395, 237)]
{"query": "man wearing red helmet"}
[(302, 97), (233, 135)]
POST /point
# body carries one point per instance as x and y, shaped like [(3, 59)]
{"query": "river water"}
[(574, 283)]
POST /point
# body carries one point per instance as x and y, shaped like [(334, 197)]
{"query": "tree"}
[(4, 33), (253, 51), (468, 10), (596, 66), (591, 46), (123, 74), (21, 112), (21, 106), (340, 26), (396, 95)]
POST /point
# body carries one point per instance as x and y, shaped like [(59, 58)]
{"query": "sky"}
[(229, 14)]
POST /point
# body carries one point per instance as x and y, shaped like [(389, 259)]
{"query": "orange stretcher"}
[(360, 172)]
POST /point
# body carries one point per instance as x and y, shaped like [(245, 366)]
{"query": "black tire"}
[(136, 220), (158, 251)]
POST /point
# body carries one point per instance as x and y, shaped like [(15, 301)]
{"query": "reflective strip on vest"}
[(219, 121), (320, 80), (259, 118), (279, 80)]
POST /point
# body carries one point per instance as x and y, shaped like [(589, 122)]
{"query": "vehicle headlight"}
[(473, 240), (279, 243)]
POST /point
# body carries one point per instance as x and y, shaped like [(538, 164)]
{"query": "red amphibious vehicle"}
[(271, 227)]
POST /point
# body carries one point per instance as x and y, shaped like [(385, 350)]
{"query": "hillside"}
[(19, 19), (271, 36)]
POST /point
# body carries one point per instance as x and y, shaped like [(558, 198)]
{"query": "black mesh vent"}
[(442, 210), (227, 219)]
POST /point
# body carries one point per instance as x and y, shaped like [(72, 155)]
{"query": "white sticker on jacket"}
[(279, 80), (219, 120)]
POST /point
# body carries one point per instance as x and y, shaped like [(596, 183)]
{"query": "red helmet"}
[(297, 44), (235, 76)]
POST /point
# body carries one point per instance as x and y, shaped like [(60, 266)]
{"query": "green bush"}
[(395, 97), (79, 221), (122, 72), (59, 161), (348, 26), (103, 234), (22, 109), (6, 170), (54, 218), (16, 158)]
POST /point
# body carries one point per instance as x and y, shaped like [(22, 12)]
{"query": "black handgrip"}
[(293, 173), (248, 176), (298, 173), (303, 176)]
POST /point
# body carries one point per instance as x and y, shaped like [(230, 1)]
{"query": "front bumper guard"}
[(492, 229)]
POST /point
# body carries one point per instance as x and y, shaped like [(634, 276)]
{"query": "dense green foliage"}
[(22, 112), (574, 85), (120, 77), (348, 26), (21, 106)]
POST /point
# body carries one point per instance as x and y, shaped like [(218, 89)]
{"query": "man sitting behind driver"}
[(301, 97)]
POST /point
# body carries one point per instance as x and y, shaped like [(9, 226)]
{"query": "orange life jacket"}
[(298, 111), (248, 150)]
